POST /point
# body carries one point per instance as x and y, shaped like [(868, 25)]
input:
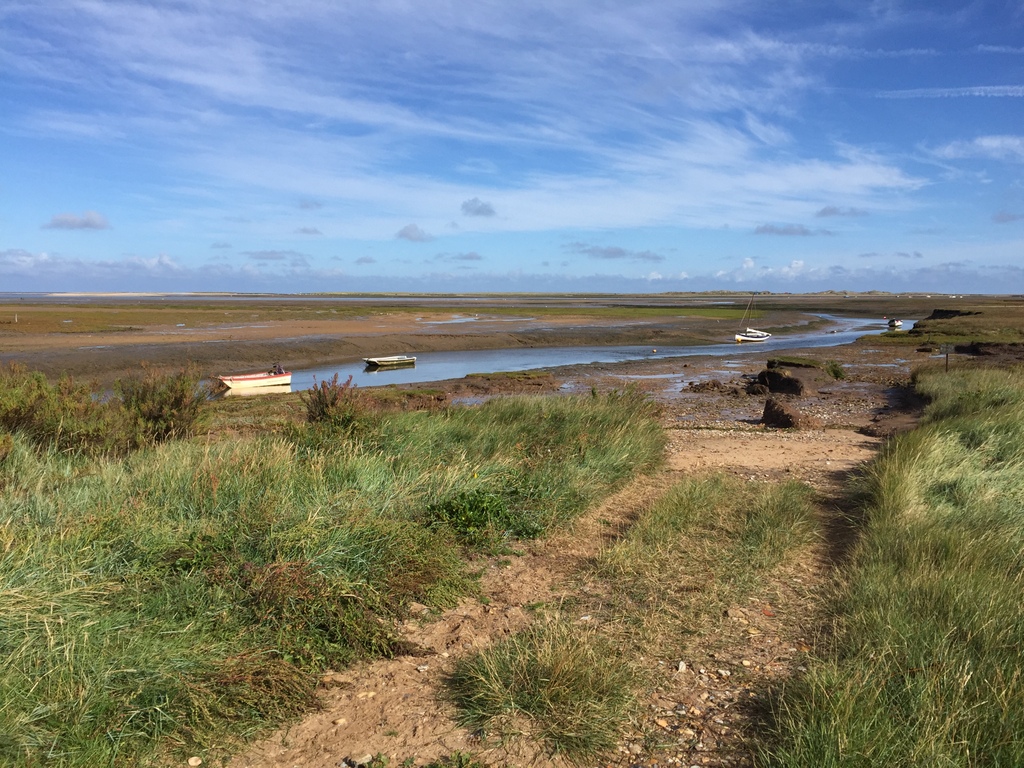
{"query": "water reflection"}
[(275, 389)]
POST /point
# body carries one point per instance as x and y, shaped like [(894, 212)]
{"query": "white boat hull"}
[(393, 361), (752, 334), (256, 380)]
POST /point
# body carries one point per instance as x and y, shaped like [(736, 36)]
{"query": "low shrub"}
[(163, 406), (66, 416), (483, 518), (333, 404)]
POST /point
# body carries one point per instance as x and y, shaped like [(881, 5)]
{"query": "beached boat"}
[(393, 361), (253, 380), (894, 323), (751, 334)]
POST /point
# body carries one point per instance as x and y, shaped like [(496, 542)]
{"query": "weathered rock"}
[(708, 385), (785, 416), (757, 388), (789, 381)]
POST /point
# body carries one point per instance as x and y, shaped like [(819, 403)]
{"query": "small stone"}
[(681, 667), (422, 667), (635, 749), (339, 721), (663, 723), (195, 761), (745, 663)]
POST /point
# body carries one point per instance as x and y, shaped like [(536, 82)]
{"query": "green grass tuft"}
[(553, 682)]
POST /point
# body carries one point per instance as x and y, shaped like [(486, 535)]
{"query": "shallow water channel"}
[(439, 366)]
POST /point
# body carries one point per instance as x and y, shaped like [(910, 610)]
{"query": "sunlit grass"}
[(185, 596), (925, 667)]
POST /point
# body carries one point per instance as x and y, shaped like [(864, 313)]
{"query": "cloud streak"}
[(88, 220), (789, 230), (983, 91), (612, 253), (832, 210)]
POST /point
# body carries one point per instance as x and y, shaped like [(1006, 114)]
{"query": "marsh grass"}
[(182, 597), (560, 684), (925, 663)]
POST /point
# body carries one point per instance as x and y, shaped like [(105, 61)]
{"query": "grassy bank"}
[(924, 666), (179, 597)]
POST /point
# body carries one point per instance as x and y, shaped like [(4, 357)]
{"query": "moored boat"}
[(253, 380), (752, 334), (392, 361), (894, 323)]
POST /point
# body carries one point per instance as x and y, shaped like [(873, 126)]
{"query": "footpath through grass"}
[(924, 667), (575, 689), (176, 598)]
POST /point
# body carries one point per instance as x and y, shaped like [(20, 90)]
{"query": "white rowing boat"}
[(393, 361), (253, 380)]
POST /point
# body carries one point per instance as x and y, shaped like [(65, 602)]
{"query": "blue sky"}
[(259, 145)]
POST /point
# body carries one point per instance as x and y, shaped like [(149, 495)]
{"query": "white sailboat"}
[(751, 334)]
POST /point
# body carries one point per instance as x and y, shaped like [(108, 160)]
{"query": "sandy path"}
[(396, 708)]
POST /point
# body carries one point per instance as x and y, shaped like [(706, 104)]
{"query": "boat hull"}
[(752, 334), (394, 361), (256, 380)]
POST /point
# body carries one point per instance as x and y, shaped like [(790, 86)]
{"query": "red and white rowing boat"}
[(251, 380)]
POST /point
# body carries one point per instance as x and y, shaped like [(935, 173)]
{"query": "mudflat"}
[(104, 338)]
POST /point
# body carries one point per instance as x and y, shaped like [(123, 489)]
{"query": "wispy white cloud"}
[(985, 91), (1000, 147), (308, 231)]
